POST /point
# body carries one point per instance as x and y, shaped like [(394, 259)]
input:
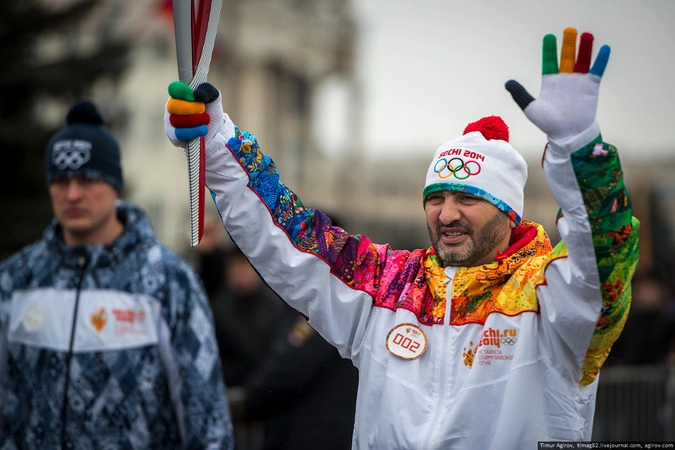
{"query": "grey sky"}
[(428, 67)]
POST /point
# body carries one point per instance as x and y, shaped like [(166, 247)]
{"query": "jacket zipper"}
[(443, 369), (82, 263)]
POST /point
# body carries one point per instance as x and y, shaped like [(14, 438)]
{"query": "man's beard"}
[(480, 244)]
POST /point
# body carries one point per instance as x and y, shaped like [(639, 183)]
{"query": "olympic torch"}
[(195, 26)]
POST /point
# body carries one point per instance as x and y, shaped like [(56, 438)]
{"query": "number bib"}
[(407, 341)]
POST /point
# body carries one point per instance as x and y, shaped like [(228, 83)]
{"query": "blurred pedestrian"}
[(648, 337), (304, 392), (246, 314), (106, 336), (635, 407), (209, 256)]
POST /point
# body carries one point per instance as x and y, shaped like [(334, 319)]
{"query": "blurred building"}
[(270, 60), (274, 61)]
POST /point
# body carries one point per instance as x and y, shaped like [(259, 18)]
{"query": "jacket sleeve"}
[(5, 297), (306, 260), (592, 268), (193, 363)]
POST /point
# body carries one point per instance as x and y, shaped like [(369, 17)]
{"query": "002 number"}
[(406, 342)]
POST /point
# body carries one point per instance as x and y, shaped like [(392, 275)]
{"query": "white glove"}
[(568, 100)]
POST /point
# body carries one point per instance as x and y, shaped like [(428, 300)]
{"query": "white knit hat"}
[(482, 163)]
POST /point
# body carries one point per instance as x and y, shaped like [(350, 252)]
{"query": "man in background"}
[(106, 336)]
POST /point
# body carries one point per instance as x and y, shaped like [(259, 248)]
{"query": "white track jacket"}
[(500, 356)]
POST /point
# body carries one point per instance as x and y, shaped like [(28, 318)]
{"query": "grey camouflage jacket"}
[(108, 347)]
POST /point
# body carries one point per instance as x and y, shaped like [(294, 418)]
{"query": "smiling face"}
[(86, 210), (466, 230)]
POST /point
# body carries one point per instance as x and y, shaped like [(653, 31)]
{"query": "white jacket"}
[(511, 363)]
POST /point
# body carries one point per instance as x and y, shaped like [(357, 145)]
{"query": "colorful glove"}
[(191, 114), (568, 98)]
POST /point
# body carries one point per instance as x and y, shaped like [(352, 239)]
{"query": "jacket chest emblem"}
[(99, 319), (494, 346), (124, 321), (33, 318)]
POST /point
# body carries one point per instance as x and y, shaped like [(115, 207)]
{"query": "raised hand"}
[(568, 98)]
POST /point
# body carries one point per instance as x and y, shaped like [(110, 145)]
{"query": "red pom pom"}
[(491, 127)]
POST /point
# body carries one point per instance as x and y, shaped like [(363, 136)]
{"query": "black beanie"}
[(84, 148)]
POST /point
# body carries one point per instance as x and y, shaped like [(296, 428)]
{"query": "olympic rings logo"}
[(456, 167), (71, 154), (508, 341)]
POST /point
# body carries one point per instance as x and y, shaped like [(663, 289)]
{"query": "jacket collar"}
[(477, 288)]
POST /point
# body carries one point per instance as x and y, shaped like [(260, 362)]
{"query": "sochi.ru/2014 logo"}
[(493, 346)]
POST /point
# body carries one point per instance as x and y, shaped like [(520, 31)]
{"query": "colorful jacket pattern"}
[(514, 359)]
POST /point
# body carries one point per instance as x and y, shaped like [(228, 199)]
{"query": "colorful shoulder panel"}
[(615, 239)]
